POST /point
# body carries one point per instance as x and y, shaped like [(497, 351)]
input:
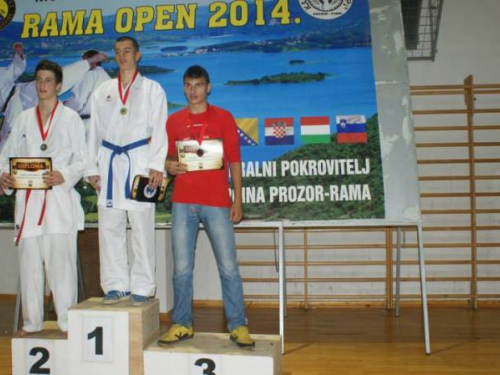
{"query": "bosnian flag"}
[(248, 130), (351, 129), (279, 131), (315, 129)]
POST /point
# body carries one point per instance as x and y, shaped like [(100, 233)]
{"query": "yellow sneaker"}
[(175, 334), (241, 337)]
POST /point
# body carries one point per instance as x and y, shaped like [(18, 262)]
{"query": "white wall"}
[(468, 43)]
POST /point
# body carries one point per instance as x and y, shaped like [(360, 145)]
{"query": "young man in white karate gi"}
[(47, 221), (83, 90), (127, 137)]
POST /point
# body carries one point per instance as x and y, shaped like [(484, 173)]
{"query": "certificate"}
[(202, 157), (28, 172)]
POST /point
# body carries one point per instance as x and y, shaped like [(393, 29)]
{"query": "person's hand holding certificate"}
[(207, 156), (27, 173)]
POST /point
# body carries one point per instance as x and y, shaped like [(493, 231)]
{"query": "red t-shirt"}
[(209, 188)]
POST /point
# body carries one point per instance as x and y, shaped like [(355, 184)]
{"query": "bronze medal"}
[(123, 111), (43, 147)]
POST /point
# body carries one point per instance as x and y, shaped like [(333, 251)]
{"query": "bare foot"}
[(23, 333)]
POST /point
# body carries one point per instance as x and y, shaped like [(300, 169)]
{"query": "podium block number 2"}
[(98, 339), (39, 360)]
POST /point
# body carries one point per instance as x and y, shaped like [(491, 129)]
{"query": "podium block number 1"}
[(97, 335), (98, 339), (38, 360)]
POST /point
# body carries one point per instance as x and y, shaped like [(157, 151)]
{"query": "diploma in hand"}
[(28, 172), (202, 157)]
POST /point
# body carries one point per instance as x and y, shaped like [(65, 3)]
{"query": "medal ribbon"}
[(127, 91), (44, 134), (42, 214), (203, 129), (26, 199)]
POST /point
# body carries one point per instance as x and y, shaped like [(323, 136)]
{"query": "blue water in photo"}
[(348, 90)]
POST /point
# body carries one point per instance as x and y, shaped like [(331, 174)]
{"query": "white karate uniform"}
[(25, 95), (9, 75), (54, 241), (80, 100), (145, 118)]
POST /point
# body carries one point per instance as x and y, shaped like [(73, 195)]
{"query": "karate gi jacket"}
[(145, 118), (66, 146)]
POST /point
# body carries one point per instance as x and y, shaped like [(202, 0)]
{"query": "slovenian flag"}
[(248, 130), (279, 131), (315, 129), (351, 129)]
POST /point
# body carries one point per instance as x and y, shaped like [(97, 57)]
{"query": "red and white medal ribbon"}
[(44, 134), (124, 98), (204, 126)]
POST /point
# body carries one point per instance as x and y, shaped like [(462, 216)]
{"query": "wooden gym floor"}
[(356, 341)]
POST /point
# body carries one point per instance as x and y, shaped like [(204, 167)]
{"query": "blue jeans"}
[(185, 223)]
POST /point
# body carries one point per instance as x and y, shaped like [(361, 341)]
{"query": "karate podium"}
[(121, 339), (110, 339), (214, 353), (40, 353)]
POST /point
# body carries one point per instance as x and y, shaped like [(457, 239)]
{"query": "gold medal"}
[(123, 111), (43, 147)]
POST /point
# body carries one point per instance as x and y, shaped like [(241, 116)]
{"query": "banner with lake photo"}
[(297, 75)]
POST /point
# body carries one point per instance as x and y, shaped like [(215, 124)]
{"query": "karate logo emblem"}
[(326, 9), (7, 11), (149, 192)]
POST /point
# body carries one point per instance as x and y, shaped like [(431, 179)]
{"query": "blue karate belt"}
[(118, 150)]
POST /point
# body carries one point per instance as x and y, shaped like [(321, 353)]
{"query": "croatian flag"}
[(351, 129), (315, 129), (279, 131), (248, 130)]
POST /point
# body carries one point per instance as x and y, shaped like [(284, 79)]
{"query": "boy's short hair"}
[(129, 38), (51, 66), (196, 71)]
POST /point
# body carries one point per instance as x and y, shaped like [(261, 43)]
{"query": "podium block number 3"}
[(98, 339), (40, 356), (205, 366)]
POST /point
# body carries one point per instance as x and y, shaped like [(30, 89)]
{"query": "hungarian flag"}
[(315, 129), (279, 131), (248, 130), (351, 129)]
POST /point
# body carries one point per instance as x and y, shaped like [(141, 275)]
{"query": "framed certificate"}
[(207, 156), (28, 172)]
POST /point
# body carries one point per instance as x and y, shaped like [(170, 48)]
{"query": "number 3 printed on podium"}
[(205, 366)]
